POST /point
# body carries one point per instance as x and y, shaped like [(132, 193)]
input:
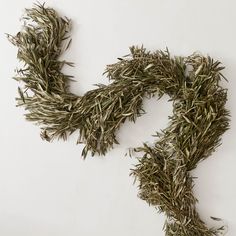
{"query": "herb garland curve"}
[(199, 115)]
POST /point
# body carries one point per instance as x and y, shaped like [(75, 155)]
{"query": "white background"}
[(46, 189)]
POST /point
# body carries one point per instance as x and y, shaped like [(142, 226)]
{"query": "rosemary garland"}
[(199, 115)]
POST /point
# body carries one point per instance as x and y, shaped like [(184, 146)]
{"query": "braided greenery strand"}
[(199, 115)]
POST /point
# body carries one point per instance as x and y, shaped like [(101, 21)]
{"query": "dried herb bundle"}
[(198, 121)]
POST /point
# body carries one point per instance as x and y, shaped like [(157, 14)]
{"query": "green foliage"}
[(199, 115)]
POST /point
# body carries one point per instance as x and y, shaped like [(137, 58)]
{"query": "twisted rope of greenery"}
[(198, 121)]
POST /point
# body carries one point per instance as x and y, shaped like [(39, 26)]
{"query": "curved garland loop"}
[(199, 115)]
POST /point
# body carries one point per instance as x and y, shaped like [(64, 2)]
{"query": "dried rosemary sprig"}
[(198, 122)]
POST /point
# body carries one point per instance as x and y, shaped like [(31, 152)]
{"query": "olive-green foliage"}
[(199, 116)]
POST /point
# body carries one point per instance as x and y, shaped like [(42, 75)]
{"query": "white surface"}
[(46, 189)]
